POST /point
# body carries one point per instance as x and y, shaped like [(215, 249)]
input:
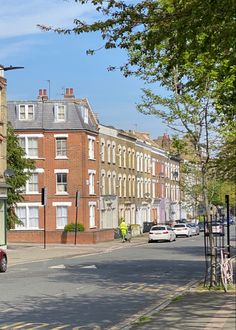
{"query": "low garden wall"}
[(60, 237)]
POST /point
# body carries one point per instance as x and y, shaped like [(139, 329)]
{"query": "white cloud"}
[(20, 17)]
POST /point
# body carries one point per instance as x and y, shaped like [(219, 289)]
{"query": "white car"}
[(181, 229), (217, 229), (161, 233), (195, 228)]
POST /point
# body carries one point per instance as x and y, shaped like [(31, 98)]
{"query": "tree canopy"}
[(21, 168), (165, 35)]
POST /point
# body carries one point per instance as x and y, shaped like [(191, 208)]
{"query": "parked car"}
[(201, 226), (217, 229), (181, 221), (182, 229), (195, 228), (161, 233), (3, 260), (231, 221)]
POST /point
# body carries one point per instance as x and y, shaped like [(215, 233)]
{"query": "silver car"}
[(182, 229), (195, 228)]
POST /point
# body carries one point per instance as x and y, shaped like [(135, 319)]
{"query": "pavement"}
[(190, 308)]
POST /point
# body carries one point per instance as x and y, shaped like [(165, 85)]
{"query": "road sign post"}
[(77, 204), (44, 203)]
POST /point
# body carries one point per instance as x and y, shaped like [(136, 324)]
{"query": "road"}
[(99, 291)]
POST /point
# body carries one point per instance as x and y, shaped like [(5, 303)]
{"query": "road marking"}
[(89, 267), (7, 310), (23, 325), (61, 327), (40, 325), (58, 267), (11, 326)]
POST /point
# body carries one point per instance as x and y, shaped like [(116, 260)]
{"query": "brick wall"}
[(59, 237)]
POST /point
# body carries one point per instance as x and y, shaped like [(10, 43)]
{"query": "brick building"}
[(62, 137)]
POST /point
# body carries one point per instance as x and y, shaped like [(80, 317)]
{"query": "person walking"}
[(123, 229)]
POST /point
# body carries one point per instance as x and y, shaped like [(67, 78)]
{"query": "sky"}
[(58, 62)]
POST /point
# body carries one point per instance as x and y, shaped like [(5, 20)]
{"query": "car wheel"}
[(3, 264), (149, 241)]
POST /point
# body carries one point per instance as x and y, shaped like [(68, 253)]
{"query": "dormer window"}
[(26, 112), (60, 112), (85, 114)]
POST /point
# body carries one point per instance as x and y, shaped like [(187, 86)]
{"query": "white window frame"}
[(65, 185), (60, 138), (91, 147), (103, 183), (27, 207), (108, 151), (124, 186), (29, 183), (63, 217), (58, 113), (92, 214), (91, 181), (138, 161), (129, 158), (109, 182), (113, 153), (26, 147), (85, 114), (120, 155), (102, 150), (26, 108), (124, 157), (114, 182)]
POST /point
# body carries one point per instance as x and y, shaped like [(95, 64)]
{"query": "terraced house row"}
[(112, 172)]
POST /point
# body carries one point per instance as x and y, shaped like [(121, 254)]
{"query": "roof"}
[(44, 115)]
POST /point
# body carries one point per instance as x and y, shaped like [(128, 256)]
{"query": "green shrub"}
[(71, 227)]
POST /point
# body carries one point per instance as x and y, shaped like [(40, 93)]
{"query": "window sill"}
[(31, 193), (61, 157)]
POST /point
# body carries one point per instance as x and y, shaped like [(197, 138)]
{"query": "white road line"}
[(58, 267), (11, 326)]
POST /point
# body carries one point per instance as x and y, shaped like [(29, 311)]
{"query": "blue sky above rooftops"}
[(62, 60)]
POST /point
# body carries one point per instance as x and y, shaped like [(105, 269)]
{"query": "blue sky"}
[(63, 60)]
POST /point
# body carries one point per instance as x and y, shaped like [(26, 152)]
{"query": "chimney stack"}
[(43, 94), (69, 93)]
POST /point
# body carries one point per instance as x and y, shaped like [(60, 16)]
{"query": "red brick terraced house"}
[(62, 137)]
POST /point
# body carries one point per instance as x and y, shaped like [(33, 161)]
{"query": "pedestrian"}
[(123, 229)]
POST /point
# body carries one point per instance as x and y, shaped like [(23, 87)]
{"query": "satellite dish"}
[(8, 173)]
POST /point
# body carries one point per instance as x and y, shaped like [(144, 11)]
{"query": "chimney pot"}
[(44, 92), (40, 92), (69, 93)]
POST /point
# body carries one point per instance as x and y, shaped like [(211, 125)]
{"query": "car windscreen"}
[(158, 228), (179, 226)]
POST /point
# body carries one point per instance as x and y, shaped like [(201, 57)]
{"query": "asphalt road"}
[(100, 291)]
